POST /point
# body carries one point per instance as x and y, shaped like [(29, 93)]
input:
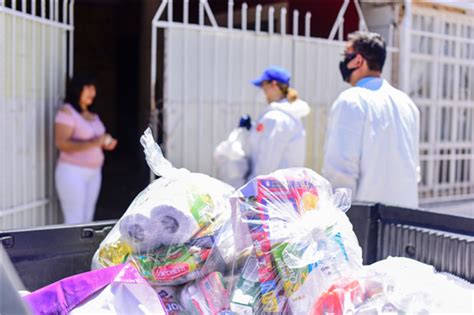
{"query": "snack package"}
[(301, 239), (170, 231)]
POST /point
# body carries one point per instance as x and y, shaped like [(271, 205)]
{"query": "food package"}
[(170, 231), (300, 238)]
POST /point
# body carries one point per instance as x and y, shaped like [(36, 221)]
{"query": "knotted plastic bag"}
[(170, 230), (300, 241)]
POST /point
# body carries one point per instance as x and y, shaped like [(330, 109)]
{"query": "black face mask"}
[(345, 71)]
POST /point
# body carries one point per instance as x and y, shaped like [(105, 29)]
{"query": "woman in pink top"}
[(80, 137)]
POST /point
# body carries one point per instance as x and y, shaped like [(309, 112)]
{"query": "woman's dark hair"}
[(75, 87), (371, 46)]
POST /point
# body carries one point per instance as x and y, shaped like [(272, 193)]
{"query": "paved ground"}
[(463, 208)]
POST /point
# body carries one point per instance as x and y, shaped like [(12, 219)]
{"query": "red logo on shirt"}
[(260, 127)]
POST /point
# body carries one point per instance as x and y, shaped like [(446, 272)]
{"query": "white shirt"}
[(278, 139), (372, 144)]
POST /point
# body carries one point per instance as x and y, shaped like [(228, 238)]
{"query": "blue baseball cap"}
[(273, 73)]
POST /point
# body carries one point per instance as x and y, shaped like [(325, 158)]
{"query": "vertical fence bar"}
[(3, 111), (24, 114), (170, 10), (405, 48), (230, 14), (71, 40), (153, 106), (296, 16), (49, 120), (201, 12), (271, 20), (244, 16), (42, 115), (185, 11), (12, 111), (43, 8), (283, 21), (307, 24), (36, 213), (258, 16), (56, 10), (64, 13)]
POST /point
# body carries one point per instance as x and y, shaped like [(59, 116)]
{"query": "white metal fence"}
[(441, 82), (34, 39), (207, 79)]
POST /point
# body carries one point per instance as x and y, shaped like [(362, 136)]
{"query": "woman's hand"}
[(109, 143), (99, 141)]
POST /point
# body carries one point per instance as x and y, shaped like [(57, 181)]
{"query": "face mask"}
[(345, 71)]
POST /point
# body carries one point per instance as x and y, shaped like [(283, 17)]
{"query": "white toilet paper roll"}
[(174, 225), (140, 232)]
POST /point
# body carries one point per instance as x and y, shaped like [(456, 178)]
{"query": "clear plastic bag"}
[(170, 230), (396, 285), (231, 158), (299, 238)]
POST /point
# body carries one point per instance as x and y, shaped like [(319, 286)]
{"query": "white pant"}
[(78, 189)]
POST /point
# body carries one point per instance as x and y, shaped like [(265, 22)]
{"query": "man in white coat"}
[(372, 144), (278, 139)]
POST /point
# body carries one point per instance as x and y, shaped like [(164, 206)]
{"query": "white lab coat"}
[(278, 138), (372, 144)]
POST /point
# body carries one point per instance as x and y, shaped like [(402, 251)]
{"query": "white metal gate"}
[(34, 62), (439, 49), (208, 71)]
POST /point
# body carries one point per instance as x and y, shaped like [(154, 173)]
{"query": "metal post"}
[(170, 11), (271, 20), (23, 133), (56, 11), (185, 11), (71, 40), (405, 48), (13, 103), (244, 16), (258, 14), (36, 214), (42, 108), (230, 14), (283, 21), (3, 107), (307, 25), (201, 12), (64, 12)]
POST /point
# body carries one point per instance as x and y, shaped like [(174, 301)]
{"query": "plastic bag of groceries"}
[(169, 232), (300, 242), (231, 158), (396, 285)]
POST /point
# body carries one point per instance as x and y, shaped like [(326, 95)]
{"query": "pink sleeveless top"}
[(82, 130)]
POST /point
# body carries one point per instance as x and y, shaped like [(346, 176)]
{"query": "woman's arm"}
[(64, 143)]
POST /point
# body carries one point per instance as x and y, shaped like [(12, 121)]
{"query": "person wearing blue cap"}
[(278, 138)]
